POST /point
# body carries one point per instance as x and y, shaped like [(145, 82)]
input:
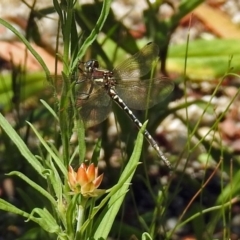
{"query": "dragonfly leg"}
[(85, 94)]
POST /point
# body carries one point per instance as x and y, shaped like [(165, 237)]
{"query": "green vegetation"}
[(40, 141)]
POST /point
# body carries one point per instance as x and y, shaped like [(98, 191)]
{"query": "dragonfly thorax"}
[(91, 65), (99, 75)]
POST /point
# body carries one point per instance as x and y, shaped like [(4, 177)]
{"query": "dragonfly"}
[(97, 88)]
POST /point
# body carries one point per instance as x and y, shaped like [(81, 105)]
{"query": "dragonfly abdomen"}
[(130, 114)]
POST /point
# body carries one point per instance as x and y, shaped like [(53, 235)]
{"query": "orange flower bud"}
[(85, 180)]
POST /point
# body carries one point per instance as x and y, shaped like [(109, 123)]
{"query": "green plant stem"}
[(80, 217), (64, 113), (90, 39), (215, 208)]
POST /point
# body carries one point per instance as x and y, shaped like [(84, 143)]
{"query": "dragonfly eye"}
[(91, 65)]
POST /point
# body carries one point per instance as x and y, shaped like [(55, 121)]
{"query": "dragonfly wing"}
[(94, 107), (139, 64), (144, 94)]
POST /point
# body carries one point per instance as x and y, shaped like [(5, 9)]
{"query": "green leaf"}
[(96, 152), (206, 60), (206, 106), (115, 202), (229, 193), (93, 35), (34, 185), (46, 220), (50, 151), (27, 44), (8, 207), (56, 181), (146, 236), (32, 83), (71, 215), (48, 107), (32, 160)]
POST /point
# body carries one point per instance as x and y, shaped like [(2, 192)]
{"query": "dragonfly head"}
[(91, 65)]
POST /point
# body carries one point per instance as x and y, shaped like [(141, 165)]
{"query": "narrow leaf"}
[(28, 45), (33, 185), (32, 160), (49, 150), (116, 200)]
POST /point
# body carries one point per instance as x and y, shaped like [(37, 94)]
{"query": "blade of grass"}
[(34, 185), (94, 33), (49, 150), (27, 44), (33, 161), (116, 200)]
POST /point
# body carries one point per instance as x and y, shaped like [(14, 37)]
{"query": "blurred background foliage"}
[(187, 61)]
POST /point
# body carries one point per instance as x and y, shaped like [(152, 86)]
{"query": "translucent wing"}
[(94, 107), (144, 94), (137, 65), (94, 102)]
